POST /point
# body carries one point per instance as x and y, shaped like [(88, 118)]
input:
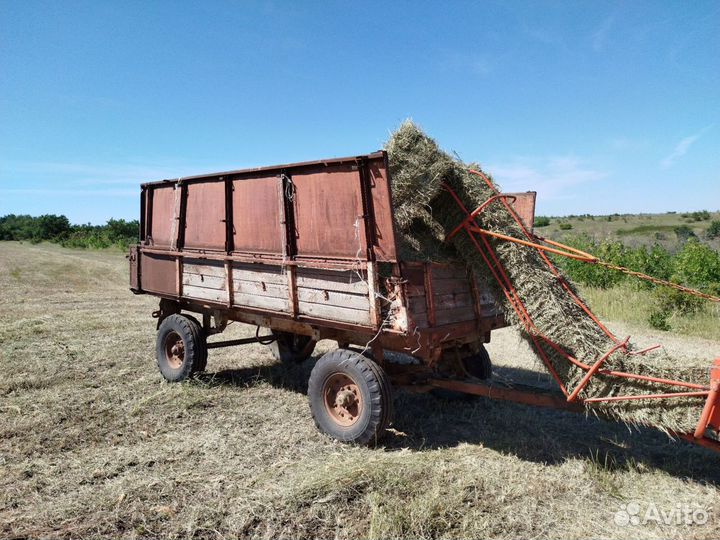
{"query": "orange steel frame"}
[(710, 417)]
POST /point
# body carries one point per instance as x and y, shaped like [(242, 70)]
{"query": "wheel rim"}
[(174, 350), (343, 400)]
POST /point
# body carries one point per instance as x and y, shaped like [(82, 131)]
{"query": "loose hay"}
[(424, 213)]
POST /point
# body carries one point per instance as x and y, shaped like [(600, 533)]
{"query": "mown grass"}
[(94, 444)]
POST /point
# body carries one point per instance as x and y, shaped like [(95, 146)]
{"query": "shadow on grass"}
[(426, 421)]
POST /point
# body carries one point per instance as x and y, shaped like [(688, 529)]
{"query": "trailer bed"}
[(309, 248)]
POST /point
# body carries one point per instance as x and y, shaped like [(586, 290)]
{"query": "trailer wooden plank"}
[(202, 280), (202, 293), (333, 298), (414, 290), (260, 288), (454, 315), (451, 285), (417, 305), (261, 302), (454, 271), (420, 320), (448, 301), (204, 267), (335, 313), (267, 273), (339, 281)]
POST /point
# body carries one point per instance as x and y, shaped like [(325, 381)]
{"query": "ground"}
[(93, 442)]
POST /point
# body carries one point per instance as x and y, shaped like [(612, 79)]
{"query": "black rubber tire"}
[(202, 339), (292, 348), (479, 365), (187, 330), (375, 392)]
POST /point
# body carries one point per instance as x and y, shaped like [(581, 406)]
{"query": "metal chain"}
[(657, 281)]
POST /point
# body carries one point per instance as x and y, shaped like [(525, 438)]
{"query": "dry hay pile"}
[(425, 212)]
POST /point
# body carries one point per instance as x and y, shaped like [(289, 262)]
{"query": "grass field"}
[(94, 444), (632, 305), (633, 229)]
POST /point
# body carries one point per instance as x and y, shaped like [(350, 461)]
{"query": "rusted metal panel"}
[(205, 216), (277, 169), (534, 396), (378, 176), (134, 268), (158, 274), (257, 226), (162, 218), (333, 194), (329, 216), (524, 206)]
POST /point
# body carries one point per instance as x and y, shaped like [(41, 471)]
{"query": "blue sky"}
[(599, 106)]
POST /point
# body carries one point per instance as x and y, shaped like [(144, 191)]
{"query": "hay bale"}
[(425, 212)]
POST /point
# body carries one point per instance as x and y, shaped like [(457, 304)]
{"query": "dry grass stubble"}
[(93, 443)]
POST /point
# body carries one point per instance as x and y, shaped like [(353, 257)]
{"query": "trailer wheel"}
[(350, 397), (179, 348), (478, 365), (289, 347), (202, 340)]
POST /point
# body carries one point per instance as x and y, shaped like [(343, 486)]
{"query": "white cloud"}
[(552, 177), (681, 148)]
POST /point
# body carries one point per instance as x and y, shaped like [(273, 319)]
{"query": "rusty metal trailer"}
[(308, 251)]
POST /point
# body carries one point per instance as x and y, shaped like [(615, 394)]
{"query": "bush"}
[(565, 226), (673, 301), (542, 221), (698, 265), (713, 230), (592, 274), (684, 233), (702, 215), (659, 320)]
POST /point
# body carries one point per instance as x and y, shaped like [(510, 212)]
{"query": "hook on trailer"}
[(268, 339)]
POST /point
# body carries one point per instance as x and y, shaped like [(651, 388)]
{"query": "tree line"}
[(117, 233)]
